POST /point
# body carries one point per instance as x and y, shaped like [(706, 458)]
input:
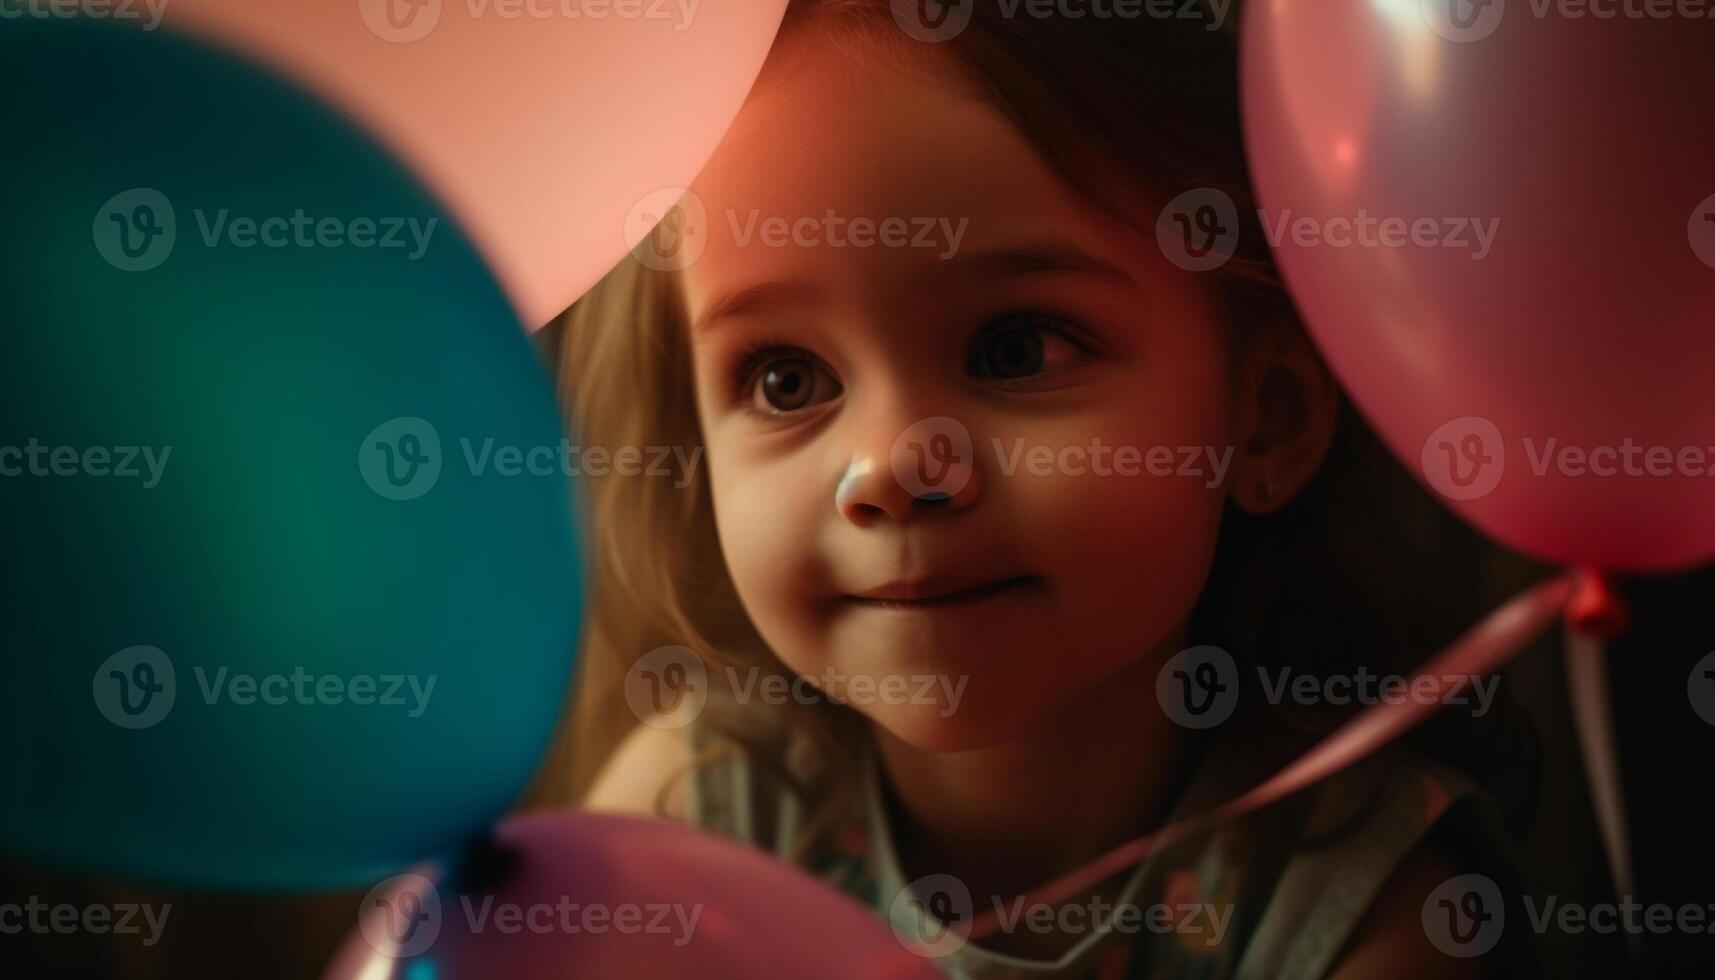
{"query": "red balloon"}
[(593, 895), (1499, 222)]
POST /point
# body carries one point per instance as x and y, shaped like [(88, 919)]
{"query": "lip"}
[(938, 593)]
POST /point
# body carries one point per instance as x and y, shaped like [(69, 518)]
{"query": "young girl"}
[(916, 318)]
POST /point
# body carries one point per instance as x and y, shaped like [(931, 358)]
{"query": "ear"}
[(1288, 405)]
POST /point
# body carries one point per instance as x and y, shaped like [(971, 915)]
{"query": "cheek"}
[(1130, 539), (1132, 554), (768, 517)]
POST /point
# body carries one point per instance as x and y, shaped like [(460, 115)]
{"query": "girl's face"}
[(984, 413)]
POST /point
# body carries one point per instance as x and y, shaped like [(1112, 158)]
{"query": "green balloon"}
[(292, 603)]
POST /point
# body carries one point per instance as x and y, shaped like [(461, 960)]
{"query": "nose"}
[(904, 470)]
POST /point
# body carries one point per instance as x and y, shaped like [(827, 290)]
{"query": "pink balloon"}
[(592, 895), (544, 124), (1545, 371)]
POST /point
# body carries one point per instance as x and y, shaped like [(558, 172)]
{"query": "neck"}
[(1088, 776)]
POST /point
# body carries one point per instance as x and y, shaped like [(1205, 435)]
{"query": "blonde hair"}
[(658, 574)]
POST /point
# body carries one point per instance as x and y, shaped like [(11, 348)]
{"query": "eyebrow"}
[(759, 298), (1045, 257), (1006, 263)]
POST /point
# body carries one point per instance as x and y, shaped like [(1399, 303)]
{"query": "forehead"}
[(834, 136)]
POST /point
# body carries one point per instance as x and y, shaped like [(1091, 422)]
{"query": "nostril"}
[(861, 513)]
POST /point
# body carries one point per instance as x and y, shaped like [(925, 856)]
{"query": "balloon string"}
[(1592, 713), (1482, 650)]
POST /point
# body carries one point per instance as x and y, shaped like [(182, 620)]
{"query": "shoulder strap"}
[(1324, 890), (726, 795)]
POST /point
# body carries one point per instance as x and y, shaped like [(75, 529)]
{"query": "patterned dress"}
[(1273, 897)]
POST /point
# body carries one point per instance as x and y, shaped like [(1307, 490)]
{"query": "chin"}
[(974, 724)]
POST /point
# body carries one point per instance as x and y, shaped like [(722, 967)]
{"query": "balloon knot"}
[(1597, 609)]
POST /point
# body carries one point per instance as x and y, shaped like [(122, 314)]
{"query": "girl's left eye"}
[(1019, 346)]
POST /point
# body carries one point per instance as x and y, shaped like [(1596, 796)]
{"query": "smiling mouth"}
[(907, 596)]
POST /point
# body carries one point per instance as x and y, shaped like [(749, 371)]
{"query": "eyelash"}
[(748, 360)]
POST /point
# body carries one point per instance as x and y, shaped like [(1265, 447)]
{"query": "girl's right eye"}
[(785, 384)]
